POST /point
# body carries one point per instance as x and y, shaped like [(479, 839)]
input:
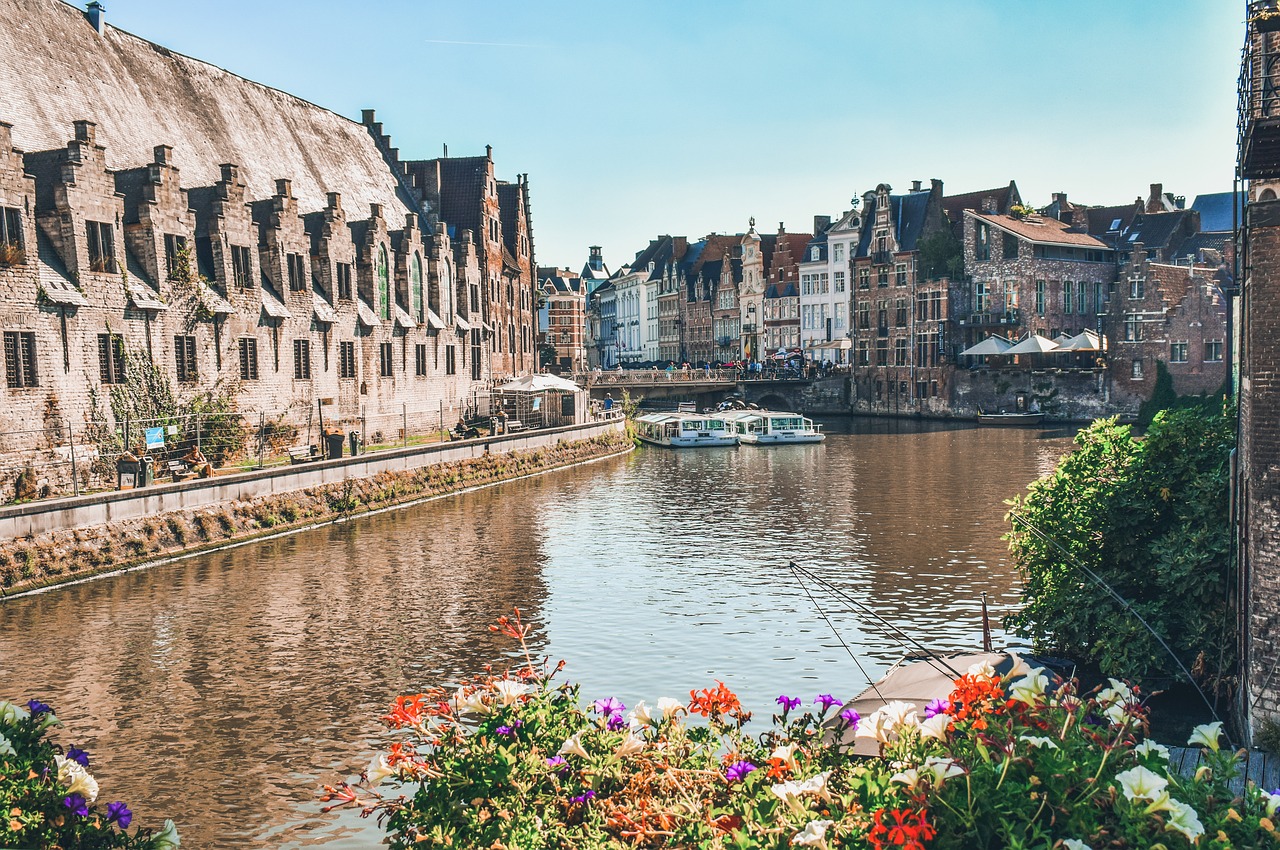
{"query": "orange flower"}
[(901, 828), (405, 711), (714, 702)]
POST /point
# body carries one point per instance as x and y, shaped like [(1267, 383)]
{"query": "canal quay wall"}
[(55, 542)]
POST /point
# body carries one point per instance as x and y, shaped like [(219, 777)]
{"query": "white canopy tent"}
[(541, 401), (1083, 341), (990, 346), (1034, 344)]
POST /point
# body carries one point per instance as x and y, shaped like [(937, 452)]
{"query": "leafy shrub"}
[(514, 760), (1149, 516), (49, 798)]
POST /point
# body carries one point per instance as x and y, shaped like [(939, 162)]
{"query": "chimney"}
[(681, 245), (488, 151), (1155, 201), (820, 224), (915, 186), (367, 117), (284, 188), (162, 154), (230, 172), (86, 131), (1180, 201), (97, 15), (375, 211), (1060, 198), (335, 200)]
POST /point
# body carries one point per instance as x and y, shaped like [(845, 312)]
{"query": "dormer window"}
[(100, 239), (174, 246), (813, 253), (297, 272), (241, 267)]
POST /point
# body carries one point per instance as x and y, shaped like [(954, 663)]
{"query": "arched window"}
[(415, 289), (384, 285)]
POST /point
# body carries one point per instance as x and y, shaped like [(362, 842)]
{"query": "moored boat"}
[(684, 430), (773, 428), (1010, 419)]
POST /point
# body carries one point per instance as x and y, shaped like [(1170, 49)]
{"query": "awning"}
[(463, 324), (401, 318), (842, 344), (143, 297), (539, 384), (273, 306), (434, 322), (215, 303), (62, 292), (990, 345), (365, 314), (324, 312), (1034, 344)]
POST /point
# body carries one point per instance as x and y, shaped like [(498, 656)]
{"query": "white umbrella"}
[(1084, 341), (990, 345), (540, 383), (1034, 344)]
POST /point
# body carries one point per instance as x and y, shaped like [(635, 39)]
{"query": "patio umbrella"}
[(1083, 341), (540, 383), (990, 345), (1034, 344)]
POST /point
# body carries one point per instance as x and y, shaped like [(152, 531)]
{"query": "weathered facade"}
[(246, 244)]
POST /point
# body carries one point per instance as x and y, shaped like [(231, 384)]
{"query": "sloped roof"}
[(1048, 231), (786, 289), (1155, 230), (955, 205), (58, 70), (1215, 211), (908, 213), (1101, 218)]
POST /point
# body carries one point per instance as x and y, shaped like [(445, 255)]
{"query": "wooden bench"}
[(514, 425), (178, 470), (303, 454)]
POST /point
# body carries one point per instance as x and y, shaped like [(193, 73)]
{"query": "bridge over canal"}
[(782, 391)]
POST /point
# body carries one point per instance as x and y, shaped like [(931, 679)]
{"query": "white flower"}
[(378, 770), (982, 670), (1149, 746), (936, 770), (669, 707), (11, 713), (1272, 803), (1074, 844), (787, 753), (469, 702), (641, 715), (814, 834), (167, 838), (73, 777), (909, 777), (1138, 783), (1183, 818), (1039, 741), (791, 792), (6, 748), (874, 725), (1116, 712), (899, 713), (817, 785), (1206, 735), (1118, 692), (1162, 802), (935, 727), (1030, 688), (630, 745), (573, 746), (1020, 667), (509, 690)]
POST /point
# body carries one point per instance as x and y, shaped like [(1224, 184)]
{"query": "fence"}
[(56, 461)]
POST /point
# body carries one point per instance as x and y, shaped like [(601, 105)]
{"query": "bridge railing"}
[(651, 377)]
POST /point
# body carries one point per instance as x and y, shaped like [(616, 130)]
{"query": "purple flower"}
[(582, 798), (616, 723), (556, 761), (738, 771), (850, 716), (77, 804), (608, 706), (78, 755), (826, 701), (505, 730), (936, 707), (119, 813), (36, 707), (788, 703)]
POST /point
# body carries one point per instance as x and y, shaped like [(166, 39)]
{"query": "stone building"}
[(248, 245), (898, 363), (562, 320), (781, 303)]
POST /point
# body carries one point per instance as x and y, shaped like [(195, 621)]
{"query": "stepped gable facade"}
[(159, 210)]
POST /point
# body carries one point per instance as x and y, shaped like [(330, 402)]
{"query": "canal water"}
[(222, 690)]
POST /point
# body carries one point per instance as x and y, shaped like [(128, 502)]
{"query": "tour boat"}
[(1007, 419), (773, 428), (684, 430)]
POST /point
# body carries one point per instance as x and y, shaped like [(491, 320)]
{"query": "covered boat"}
[(684, 430), (773, 428)]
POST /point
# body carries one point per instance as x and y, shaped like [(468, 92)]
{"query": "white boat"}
[(773, 428), (684, 430)]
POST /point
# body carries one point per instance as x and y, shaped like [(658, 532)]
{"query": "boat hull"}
[(1010, 420), (779, 439), (688, 442)]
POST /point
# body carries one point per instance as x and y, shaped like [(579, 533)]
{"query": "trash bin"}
[(333, 444), (354, 439), (126, 472), (146, 471)]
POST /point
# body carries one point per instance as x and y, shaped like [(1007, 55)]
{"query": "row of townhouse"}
[(235, 240), (896, 288)]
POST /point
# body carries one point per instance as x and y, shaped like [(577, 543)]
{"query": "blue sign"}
[(155, 438)]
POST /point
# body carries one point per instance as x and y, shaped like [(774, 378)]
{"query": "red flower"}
[(714, 702), (405, 711), (902, 828)]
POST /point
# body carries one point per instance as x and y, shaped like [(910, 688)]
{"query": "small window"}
[(1082, 297), (1010, 246), (1137, 286), (1039, 297), (20, 359), (248, 359), (302, 359), (864, 278), (1136, 373), (982, 242), (101, 244), (297, 272), (384, 359), (1066, 296), (1132, 328), (420, 359), (1177, 352), (241, 267), (10, 229), (451, 360), (111, 358), (1213, 351), (174, 254), (344, 281), (902, 274), (346, 359), (184, 355)]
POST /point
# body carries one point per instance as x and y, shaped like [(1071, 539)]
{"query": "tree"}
[(941, 255), (1149, 517)]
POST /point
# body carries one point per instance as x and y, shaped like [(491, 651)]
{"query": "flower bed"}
[(49, 799), (514, 760)]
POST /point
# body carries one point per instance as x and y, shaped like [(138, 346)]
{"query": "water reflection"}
[(222, 689)]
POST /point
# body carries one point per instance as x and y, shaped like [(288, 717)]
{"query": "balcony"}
[(1259, 95)]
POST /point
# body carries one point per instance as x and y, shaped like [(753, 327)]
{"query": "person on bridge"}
[(608, 401)]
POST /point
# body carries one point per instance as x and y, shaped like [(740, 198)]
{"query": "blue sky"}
[(639, 118)]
